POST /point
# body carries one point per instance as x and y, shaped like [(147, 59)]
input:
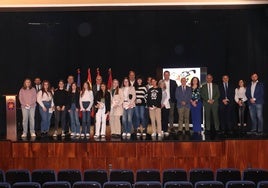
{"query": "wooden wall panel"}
[(134, 155)]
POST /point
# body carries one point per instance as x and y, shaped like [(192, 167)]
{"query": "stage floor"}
[(172, 137)]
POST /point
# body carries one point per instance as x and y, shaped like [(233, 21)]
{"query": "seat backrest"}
[(178, 184), (41, 176), (2, 176), (100, 176), (57, 184), (86, 184), (255, 175), (26, 185), (117, 184), (122, 175), (209, 184), (70, 175), (13, 176), (228, 174), (174, 175), (148, 175), (148, 184), (240, 184), (196, 175), (262, 184), (4, 185)]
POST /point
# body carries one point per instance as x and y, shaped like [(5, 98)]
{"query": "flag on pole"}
[(78, 78), (89, 77), (110, 79)]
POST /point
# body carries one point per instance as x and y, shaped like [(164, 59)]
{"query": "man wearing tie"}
[(226, 103), (183, 96), (210, 94), (255, 94), (70, 80), (37, 116)]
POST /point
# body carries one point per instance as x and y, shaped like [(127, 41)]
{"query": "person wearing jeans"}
[(255, 95), (129, 96), (73, 109), (46, 105), (27, 98), (86, 102), (60, 102), (141, 92)]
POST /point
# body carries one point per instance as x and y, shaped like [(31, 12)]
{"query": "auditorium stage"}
[(176, 151)]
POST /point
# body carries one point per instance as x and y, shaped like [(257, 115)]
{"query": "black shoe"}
[(207, 132), (187, 132), (179, 132)]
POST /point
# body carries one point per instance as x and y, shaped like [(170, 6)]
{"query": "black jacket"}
[(107, 100)]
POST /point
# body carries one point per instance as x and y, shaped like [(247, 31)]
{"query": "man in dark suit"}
[(70, 80), (226, 105), (37, 116), (255, 95), (210, 94), (183, 96), (171, 86)]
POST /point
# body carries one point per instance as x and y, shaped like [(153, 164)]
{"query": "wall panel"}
[(134, 155)]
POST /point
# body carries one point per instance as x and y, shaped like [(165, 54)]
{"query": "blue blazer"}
[(258, 93), (183, 96)]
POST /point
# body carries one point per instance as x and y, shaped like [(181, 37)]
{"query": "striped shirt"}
[(141, 92)]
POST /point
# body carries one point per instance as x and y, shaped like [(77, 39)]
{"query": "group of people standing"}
[(135, 103)]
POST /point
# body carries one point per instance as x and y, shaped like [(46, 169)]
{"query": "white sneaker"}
[(72, 134), (62, 134), (128, 135), (166, 133), (138, 134), (154, 135), (143, 134), (103, 135), (77, 135), (96, 136), (159, 135), (87, 135), (124, 134), (55, 134), (82, 135), (33, 135), (24, 135)]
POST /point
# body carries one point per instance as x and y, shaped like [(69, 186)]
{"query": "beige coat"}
[(116, 104)]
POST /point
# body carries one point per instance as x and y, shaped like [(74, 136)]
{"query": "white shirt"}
[(252, 89), (165, 100), (44, 97), (132, 82), (240, 93), (167, 82), (210, 93), (87, 97)]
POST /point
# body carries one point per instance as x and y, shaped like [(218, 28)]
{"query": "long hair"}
[(192, 82), (117, 88), (70, 88), (101, 92), (24, 83), (83, 88), (48, 89), (126, 78)]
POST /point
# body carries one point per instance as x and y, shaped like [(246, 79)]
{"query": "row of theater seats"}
[(141, 184), (102, 177)]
